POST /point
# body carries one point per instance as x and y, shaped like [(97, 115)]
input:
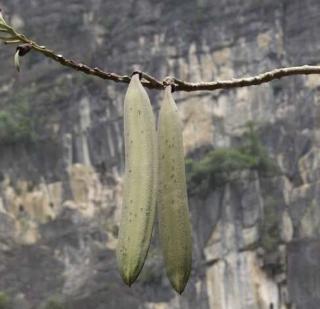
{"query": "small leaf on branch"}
[(11, 41), (17, 60), (20, 52), (2, 21)]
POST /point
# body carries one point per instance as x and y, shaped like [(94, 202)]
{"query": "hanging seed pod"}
[(174, 223), (140, 185)]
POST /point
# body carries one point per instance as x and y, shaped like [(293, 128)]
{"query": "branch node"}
[(168, 81), (137, 72)]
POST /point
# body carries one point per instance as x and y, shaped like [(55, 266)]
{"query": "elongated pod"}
[(140, 182), (174, 223)]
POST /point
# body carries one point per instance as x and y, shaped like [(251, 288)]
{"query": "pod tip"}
[(179, 283), (179, 290), (128, 278)]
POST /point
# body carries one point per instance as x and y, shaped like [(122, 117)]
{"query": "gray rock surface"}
[(256, 239)]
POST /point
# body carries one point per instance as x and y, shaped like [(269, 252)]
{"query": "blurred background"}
[(253, 159)]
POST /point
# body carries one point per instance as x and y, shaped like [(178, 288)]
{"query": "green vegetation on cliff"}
[(220, 166), (4, 301), (54, 304), (17, 121)]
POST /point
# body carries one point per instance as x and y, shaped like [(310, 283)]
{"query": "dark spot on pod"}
[(131, 141), (130, 171), (172, 176), (139, 112), (131, 201)]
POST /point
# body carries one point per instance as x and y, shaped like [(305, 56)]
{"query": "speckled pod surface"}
[(140, 182), (173, 213)]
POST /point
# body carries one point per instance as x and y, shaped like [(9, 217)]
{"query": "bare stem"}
[(153, 83)]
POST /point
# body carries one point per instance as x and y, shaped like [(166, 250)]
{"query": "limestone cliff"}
[(256, 236)]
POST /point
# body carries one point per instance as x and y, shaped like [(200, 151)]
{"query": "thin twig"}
[(153, 83), (247, 81)]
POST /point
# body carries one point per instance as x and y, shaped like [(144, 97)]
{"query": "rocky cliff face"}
[(256, 237)]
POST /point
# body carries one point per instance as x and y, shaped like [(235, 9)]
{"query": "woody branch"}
[(10, 36)]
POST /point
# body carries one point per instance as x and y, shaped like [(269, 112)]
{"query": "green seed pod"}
[(140, 182), (174, 223)]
